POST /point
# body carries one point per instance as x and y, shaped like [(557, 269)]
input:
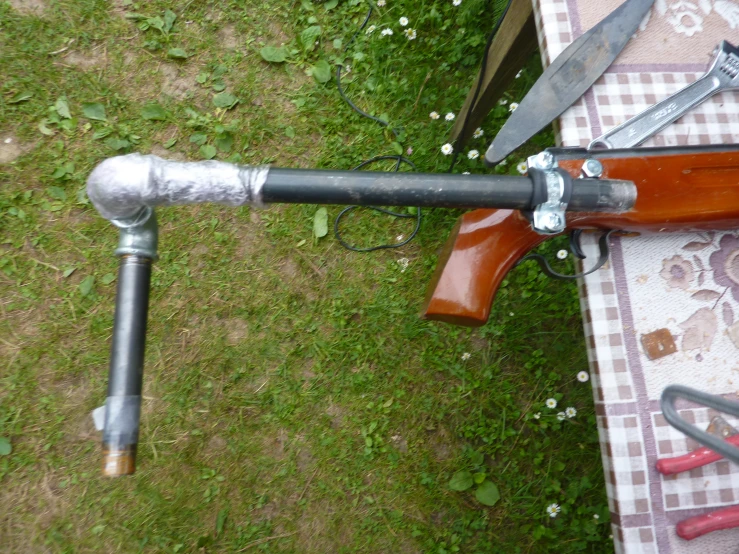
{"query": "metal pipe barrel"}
[(315, 186), (123, 405)]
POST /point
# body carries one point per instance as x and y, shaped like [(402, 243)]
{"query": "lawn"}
[(293, 399)]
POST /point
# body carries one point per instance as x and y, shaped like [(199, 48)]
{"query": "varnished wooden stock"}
[(685, 191)]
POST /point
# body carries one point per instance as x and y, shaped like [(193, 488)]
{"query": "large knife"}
[(568, 77)]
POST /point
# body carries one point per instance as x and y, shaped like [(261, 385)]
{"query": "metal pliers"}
[(718, 431)]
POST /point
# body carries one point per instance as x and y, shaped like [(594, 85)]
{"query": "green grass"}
[(293, 400)]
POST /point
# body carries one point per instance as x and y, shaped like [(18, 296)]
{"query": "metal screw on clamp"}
[(549, 216), (592, 169), (544, 161), (551, 222)]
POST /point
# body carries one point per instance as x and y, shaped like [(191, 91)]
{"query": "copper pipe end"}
[(119, 461)]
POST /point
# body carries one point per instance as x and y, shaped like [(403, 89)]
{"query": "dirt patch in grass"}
[(276, 34), (178, 82), (237, 331), (217, 443), (120, 7), (86, 60), (325, 528), (441, 444), (28, 6), (289, 270), (11, 148), (83, 429), (275, 445), (162, 152), (336, 413), (229, 38), (23, 328), (249, 239), (400, 443)]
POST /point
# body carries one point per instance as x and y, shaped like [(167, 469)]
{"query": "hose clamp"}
[(552, 193)]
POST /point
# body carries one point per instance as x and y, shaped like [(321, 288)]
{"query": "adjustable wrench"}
[(722, 75)]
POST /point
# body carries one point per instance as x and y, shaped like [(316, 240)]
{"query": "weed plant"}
[(293, 400)]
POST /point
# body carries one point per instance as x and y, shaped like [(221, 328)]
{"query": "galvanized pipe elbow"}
[(121, 187)]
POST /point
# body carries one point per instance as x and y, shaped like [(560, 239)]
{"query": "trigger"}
[(546, 268), (576, 245)]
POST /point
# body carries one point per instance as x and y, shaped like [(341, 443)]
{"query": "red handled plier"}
[(725, 518)]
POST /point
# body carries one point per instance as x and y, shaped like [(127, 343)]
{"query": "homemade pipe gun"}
[(633, 190)]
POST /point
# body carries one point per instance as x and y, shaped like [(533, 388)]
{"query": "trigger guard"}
[(547, 269), (576, 245)]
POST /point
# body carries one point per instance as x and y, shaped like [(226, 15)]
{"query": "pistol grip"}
[(482, 248)]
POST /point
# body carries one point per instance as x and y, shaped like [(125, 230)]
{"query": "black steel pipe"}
[(123, 405), (315, 186)]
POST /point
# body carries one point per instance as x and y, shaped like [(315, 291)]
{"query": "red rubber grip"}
[(696, 458), (715, 521)]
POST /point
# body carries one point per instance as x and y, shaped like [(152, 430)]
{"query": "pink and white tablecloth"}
[(684, 287)]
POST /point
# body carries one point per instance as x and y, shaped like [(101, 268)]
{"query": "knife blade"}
[(571, 74)]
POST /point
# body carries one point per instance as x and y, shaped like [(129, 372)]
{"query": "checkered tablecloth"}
[(686, 284)]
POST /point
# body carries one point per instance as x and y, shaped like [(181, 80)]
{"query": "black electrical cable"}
[(348, 209), (484, 64), (398, 158)]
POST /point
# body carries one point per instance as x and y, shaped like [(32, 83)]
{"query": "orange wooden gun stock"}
[(678, 189)]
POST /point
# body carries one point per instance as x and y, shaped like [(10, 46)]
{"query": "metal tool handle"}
[(673, 392), (694, 527), (697, 458), (640, 127), (123, 405)]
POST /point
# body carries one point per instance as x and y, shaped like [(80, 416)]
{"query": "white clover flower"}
[(403, 262), (403, 21), (386, 32), (519, 74), (456, 2), (434, 115), (502, 102), (562, 254), (510, 314), (370, 29), (347, 69), (551, 403), (473, 154), (465, 356), (512, 107), (561, 416), (583, 376), (409, 151), (400, 238), (596, 516), (570, 412), (381, 3), (410, 34), (478, 133), (447, 149), (522, 168), (465, 173), (449, 117), (553, 510), (537, 415)]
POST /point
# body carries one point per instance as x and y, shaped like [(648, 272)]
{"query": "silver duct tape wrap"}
[(122, 415), (121, 187)]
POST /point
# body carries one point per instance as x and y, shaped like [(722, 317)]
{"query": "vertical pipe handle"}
[(123, 405)]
